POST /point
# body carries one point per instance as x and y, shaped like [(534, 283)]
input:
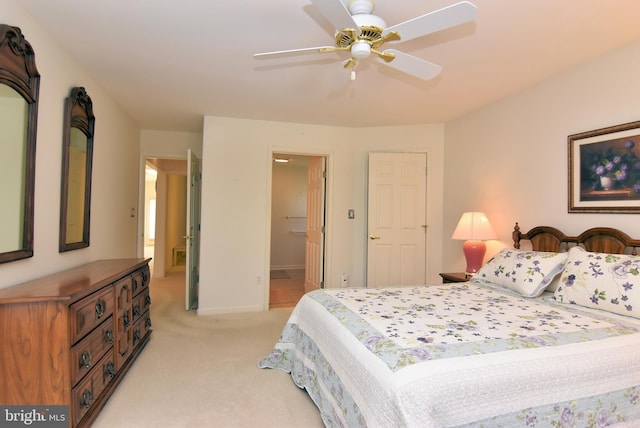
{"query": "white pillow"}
[(527, 273), (604, 281)]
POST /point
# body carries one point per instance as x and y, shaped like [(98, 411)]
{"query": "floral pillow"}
[(527, 273), (604, 281)]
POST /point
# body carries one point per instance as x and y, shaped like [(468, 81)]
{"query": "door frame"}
[(327, 212)]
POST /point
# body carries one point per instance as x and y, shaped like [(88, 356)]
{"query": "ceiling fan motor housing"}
[(371, 28), (357, 7)]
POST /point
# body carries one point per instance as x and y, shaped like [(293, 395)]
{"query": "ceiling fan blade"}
[(432, 22), (337, 14), (412, 65), (319, 49)]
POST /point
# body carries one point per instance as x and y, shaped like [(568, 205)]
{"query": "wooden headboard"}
[(597, 239)]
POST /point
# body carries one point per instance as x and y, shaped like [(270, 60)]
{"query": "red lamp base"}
[(474, 253)]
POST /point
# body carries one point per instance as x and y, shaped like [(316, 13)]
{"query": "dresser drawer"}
[(89, 312), (141, 280), (89, 389), (140, 304), (86, 353), (141, 327)]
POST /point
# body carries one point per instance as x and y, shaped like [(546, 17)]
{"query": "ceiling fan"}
[(362, 34)]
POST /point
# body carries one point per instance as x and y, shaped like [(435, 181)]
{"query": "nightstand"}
[(454, 277)]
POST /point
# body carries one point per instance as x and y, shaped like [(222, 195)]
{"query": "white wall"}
[(169, 145), (236, 185), (115, 165), (510, 159)]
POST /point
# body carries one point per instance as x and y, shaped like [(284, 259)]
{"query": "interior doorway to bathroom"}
[(297, 227)]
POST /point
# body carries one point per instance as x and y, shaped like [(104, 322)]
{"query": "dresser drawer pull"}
[(147, 322), (100, 308), (136, 336), (108, 336), (85, 360), (125, 320), (136, 310), (135, 285), (87, 399), (109, 370), (147, 299)]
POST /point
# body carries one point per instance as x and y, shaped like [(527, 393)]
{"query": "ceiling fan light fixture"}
[(360, 49)]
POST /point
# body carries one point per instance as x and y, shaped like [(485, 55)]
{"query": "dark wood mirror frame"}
[(18, 71), (78, 114)]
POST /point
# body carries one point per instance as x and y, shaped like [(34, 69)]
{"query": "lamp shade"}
[(474, 226)]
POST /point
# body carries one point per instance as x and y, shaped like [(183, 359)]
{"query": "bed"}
[(542, 336)]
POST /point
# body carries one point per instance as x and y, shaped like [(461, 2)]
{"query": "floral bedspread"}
[(406, 325), (459, 354)]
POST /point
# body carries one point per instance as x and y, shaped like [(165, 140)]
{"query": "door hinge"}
[(324, 174), (322, 230)]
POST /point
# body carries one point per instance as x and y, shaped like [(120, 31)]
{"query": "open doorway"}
[(150, 203), (165, 214), (297, 227)]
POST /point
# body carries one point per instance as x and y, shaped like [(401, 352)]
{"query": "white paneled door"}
[(397, 219), (192, 271), (314, 251)]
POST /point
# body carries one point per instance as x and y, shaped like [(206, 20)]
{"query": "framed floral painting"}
[(604, 170)]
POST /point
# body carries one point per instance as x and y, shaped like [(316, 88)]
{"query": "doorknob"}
[(372, 237)]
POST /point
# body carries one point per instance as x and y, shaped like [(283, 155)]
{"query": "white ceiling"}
[(171, 62)]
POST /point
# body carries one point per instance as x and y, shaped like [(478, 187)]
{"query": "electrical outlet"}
[(345, 280)]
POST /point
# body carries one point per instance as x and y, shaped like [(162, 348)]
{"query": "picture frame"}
[(604, 170)]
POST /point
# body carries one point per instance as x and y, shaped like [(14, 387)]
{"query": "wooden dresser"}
[(69, 338)]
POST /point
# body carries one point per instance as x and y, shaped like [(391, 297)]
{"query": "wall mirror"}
[(77, 156), (19, 85)]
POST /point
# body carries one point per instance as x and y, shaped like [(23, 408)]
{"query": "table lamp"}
[(474, 228)]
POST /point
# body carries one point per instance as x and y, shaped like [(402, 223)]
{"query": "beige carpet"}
[(200, 371)]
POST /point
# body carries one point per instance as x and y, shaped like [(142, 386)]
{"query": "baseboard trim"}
[(285, 267), (229, 310)]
